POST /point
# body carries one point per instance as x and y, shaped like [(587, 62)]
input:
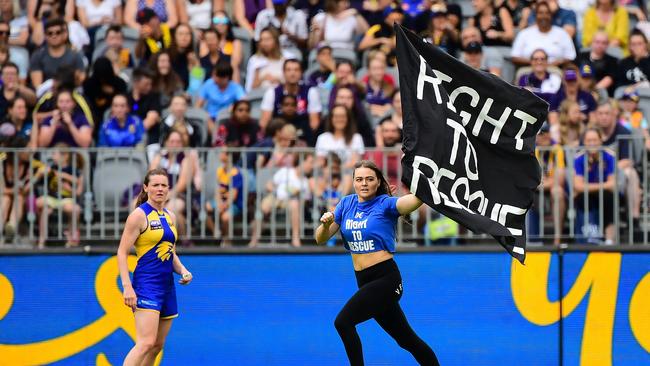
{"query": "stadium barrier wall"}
[(474, 306), (111, 179)]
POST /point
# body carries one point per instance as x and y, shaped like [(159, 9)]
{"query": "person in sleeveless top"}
[(494, 23), (151, 295)]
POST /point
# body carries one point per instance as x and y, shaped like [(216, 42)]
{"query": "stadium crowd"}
[(169, 77)]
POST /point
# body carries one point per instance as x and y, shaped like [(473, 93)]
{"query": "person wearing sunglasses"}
[(57, 53), (228, 44)]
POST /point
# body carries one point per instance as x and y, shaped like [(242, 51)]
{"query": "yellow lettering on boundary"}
[(599, 276), (640, 314), (117, 316)]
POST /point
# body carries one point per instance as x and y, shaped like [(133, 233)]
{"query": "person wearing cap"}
[(473, 56), (551, 159), (571, 91), (554, 40), (601, 65), (495, 24), (382, 36), (422, 21), (588, 84), (631, 117), (441, 33), (291, 22), (165, 11), (154, 35), (492, 57)]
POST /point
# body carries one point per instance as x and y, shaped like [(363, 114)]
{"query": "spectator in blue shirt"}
[(563, 18), (122, 129), (219, 92)]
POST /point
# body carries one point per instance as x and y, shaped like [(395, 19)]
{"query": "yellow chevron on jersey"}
[(160, 234)]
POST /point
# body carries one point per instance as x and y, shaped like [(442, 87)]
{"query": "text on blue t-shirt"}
[(367, 226)]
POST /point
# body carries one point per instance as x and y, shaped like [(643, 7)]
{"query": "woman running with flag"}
[(367, 221)]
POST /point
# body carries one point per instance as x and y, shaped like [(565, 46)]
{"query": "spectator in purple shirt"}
[(571, 91), (66, 125), (540, 81)]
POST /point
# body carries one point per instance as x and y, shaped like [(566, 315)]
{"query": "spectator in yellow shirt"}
[(608, 16)]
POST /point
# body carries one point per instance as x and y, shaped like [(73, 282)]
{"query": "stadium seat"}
[(198, 118), (644, 100), (129, 165), (224, 114), (247, 48), (255, 98), (466, 7), (337, 54), (131, 37), (527, 69), (20, 56), (392, 71)]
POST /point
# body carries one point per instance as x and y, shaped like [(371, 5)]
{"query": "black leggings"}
[(380, 288)]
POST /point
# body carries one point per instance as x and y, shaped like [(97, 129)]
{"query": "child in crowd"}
[(227, 203), (65, 183)]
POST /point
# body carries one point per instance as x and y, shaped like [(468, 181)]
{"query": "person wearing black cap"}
[(154, 35), (291, 23), (473, 56), (441, 32), (382, 36), (421, 21)]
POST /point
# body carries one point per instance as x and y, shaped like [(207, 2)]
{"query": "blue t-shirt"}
[(368, 226), (593, 173), (112, 135), (216, 99)]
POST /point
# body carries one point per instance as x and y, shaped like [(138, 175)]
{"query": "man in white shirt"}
[(554, 40), (307, 98), (291, 22)]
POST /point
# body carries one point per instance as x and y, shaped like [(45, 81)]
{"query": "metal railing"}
[(276, 205)]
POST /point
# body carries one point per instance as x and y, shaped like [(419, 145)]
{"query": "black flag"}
[(469, 142)]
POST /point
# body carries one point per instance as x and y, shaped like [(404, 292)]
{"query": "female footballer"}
[(367, 221), (151, 295)]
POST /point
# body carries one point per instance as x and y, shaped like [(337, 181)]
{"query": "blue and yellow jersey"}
[(155, 249)]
